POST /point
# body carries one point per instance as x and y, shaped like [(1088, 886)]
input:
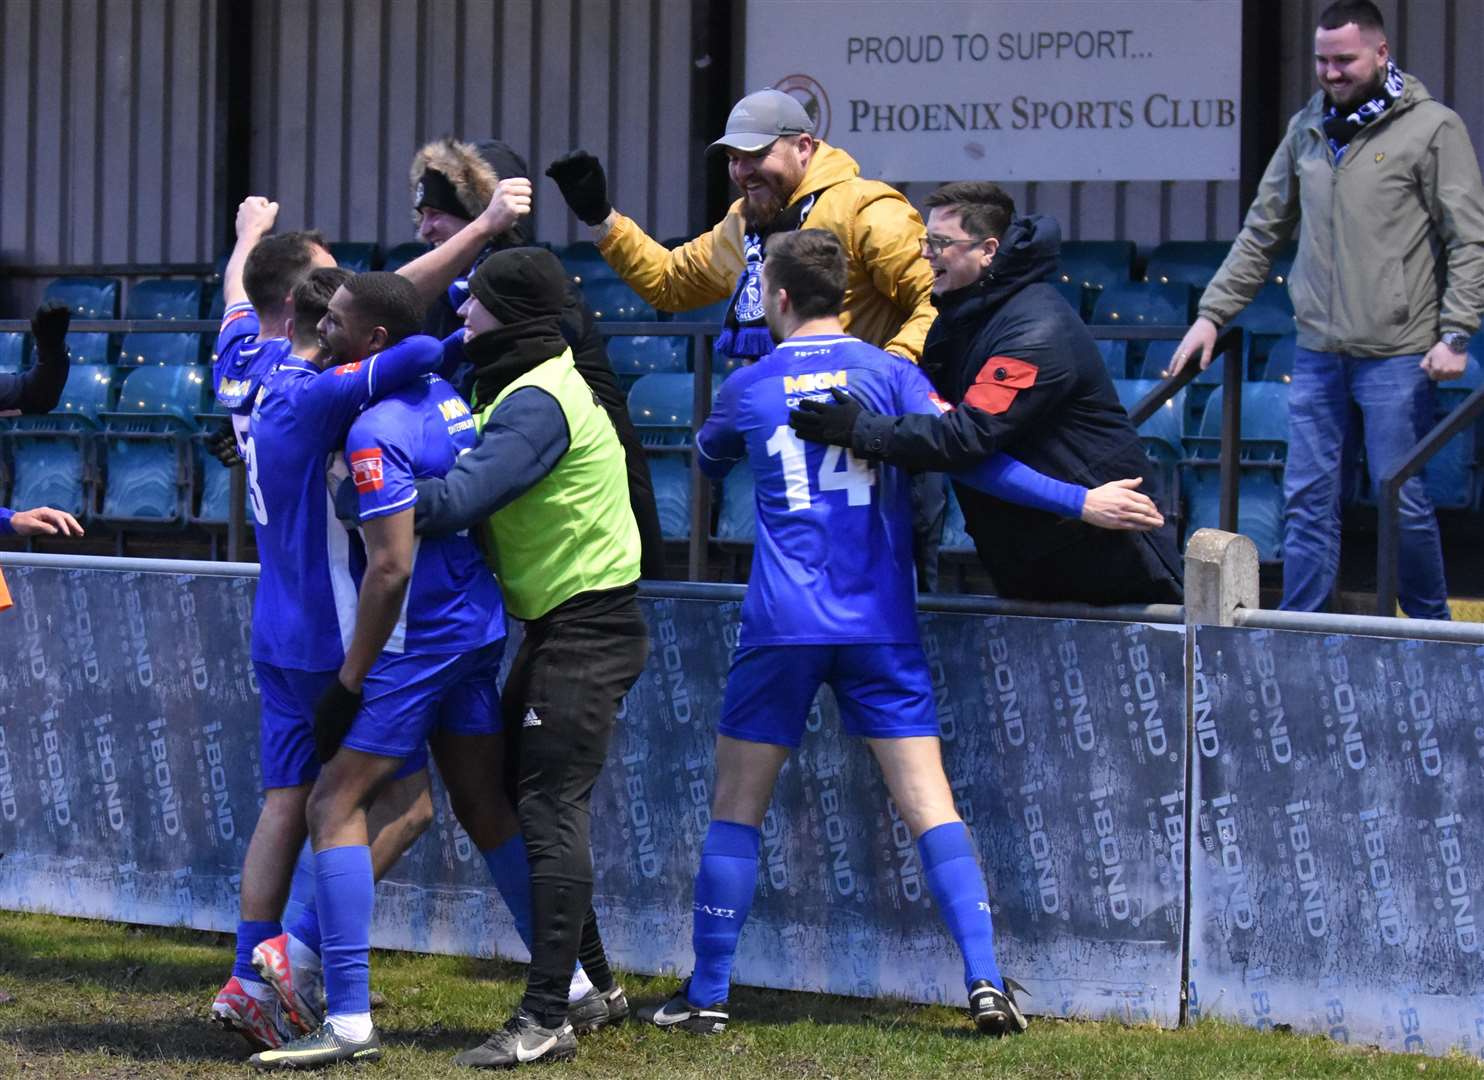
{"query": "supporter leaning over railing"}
[(1387, 287), (38, 391), (1026, 377)]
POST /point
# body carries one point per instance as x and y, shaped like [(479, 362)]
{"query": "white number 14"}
[(856, 478)]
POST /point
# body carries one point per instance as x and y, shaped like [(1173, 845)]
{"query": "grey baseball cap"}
[(761, 118)]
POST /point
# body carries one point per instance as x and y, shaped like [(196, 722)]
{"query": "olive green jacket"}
[(1391, 243)]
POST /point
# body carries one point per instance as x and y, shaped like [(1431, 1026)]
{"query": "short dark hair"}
[(277, 264), (388, 300), (312, 296), (810, 264), (984, 209), (1362, 13)]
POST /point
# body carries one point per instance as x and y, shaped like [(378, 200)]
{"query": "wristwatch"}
[(1456, 341)]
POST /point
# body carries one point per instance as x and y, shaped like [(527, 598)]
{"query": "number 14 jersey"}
[(832, 562)]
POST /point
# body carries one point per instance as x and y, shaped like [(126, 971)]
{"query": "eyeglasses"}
[(936, 245)]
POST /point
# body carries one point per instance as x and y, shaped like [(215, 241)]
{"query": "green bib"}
[(573, 532)]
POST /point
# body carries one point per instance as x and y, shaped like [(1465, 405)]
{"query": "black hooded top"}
[(1026, 377)]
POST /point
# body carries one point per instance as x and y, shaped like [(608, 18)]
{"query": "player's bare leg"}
[(913, 770)]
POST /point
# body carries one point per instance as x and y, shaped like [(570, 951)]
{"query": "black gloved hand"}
[(49, 329), (829, 422), (333, 713), (580, 176), (223, 447)]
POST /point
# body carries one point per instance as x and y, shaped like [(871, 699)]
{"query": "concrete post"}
[(1220, 577)]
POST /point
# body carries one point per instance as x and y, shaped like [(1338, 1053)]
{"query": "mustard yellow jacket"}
[(888, 298)]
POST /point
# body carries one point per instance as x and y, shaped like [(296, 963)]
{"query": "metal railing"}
[(1388, 497)]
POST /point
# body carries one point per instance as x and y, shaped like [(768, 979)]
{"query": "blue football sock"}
[(346, 892), (725, 883), (249, 935), (958, 889), (300, 914), (511, 870)]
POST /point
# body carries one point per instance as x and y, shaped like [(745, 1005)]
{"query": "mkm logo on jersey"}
[(814, 382)]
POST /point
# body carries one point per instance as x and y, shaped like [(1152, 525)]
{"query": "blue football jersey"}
[(305, 609), (453, 603), (241, 362), (832, 562)]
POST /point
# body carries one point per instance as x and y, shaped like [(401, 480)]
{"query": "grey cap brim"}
[(748, 142)]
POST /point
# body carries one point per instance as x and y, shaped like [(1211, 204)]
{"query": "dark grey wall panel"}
[(108, 126), (348, 90)]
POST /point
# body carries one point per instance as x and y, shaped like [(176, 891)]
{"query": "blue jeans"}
[(1395, 398)]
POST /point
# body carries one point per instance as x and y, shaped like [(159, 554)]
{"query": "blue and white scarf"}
[(1339, 130), (745, 334)]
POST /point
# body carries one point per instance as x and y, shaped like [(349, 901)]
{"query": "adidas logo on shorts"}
[(530, 719)]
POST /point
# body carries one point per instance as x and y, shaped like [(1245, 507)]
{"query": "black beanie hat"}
[(521, 284), (436, 190)]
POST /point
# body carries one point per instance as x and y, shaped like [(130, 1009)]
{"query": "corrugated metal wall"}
[(344, 92), (108, 115), (107, 128)]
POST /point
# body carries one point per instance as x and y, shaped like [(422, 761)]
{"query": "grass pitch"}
[(92, 999)]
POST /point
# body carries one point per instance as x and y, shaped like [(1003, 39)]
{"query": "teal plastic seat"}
[(613, 301), (662, 409), (736, 521), (584, 264), (88, 297), (1115, 357), (403, 254), (14, 349), (635, 355), (165, 298), (355, 256), (1096, 264), (147, 467), (670, 474), (1143, 304), (1188, 262)]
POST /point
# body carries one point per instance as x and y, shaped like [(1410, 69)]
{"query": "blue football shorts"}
[(883, 691), (409, 696), (286, 730)]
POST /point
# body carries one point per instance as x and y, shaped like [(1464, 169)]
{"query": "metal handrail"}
[(1388, 499), (1229, 345)]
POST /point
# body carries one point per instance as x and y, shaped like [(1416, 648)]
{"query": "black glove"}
[(49, 330), (826, 421), (223, 447), (580, 176), (333, 713)]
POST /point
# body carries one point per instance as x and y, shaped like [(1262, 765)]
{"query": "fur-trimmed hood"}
[(472, 168)]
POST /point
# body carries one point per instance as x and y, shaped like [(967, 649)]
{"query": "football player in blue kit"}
[(304, 594), (421, 667), (832, 599)]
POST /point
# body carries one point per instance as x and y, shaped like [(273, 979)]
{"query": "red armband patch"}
[(348, 369), (942, 405), (998, 381), (365, 470), (233, 316)]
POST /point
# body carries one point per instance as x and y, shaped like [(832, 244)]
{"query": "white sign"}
[(1049, 90)]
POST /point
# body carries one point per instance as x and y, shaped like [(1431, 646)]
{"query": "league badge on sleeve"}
[(365, 470)]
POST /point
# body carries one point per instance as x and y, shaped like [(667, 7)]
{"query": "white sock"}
[(581, 985), (302, 956), (353, 1026)]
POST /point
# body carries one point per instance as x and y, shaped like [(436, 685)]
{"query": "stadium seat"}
[(1160, 435), (1115, 357), (1189, 262), (89, 348), (52, 455), (175, 349), (1074, 294), (1143, 304), (1263, 447), (737, 520), (218, 306), (148, 471), (1097, 264), (662, 409), (14, 349), (636, 355), (354, 256), (1282, 266), (88, 297), (584, 264), (1266, 319), (613, 301), (403, 254), (165, 298), (1279, 366), (670, 474), (712, 314)]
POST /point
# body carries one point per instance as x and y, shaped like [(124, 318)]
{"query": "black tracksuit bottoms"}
[(568, 679)]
